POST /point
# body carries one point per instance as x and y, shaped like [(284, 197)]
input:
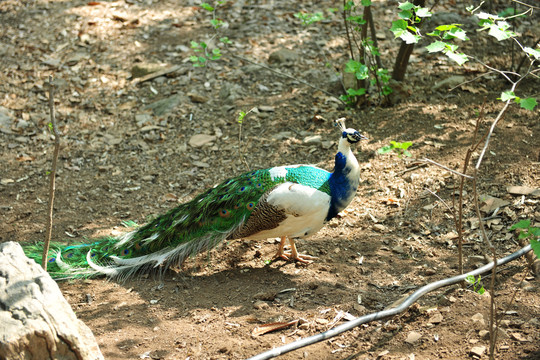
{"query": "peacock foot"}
[(293, 254), (289, 256)]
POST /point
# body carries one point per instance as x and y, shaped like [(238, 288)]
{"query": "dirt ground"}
[(124, 157)]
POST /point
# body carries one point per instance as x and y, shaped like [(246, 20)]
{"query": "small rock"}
[(197, 98), (327, 144), (484, 334), (379, 228), (521, 190), (477, 351), (413, 337), (164, 106), (519, 337), (282, 135), (478, 320), (142, 119), (398, 249), (283, 55), (266, 108), (436, 318), (449, 82), (201, 164), (260, 305), (315, 139), (143, 69), (200, 140)]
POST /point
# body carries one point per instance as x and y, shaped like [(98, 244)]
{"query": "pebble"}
[(379, 228), (197, 98), (436, 318), (200, 140), (260, 305), (478, 351), (315, 139), (413, 337)]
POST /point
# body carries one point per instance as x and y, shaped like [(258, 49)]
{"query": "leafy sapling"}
[(398, 148), (529, 232), (476, 284)]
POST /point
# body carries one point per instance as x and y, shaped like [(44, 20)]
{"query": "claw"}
[(293, 254)]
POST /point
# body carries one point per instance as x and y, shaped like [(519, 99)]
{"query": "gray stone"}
[(200, 140), (6, 118), (283, 55), (164, 106), (413, 337), (144, 69), (36, 322), (449, 82), (314, 139)]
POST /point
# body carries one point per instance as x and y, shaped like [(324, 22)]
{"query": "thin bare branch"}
[(288, 76), (52, 175), (429, 161)]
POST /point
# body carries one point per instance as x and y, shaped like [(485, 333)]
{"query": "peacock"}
[(287, 202)]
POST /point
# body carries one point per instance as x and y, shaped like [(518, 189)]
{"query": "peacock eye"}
[(243, 188), (69, 256), (52, 260), (125, 252), (250, 206), (224, 213)]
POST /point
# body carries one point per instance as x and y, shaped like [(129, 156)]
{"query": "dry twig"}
[(52, 185)]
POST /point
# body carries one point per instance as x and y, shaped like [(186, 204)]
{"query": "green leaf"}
[(194, 58), (366, 2), (532, 52), (357, 19), (458, 33), (523, 224), (535, 244), (410, 38), (459, 58), (405, 14), (398, 27), (423, 12), (358, 92), (436, 46), (207, 6), (507, 95), (445, 27), (385, 149), (434, 33), (406, 6), (241, 116), (499, 31), (225, 40), (528, 103), (216, 23), (406, 145)]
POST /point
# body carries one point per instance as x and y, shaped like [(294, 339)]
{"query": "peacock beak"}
[(357, 136)]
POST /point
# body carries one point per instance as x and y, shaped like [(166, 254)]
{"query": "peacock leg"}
[(293, 254), (280, 254)]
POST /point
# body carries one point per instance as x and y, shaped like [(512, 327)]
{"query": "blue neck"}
[(342, 187)]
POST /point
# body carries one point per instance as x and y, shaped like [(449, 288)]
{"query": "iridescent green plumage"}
[(285, 202), (186, 230)]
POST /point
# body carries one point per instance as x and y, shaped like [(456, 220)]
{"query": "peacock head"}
[(351, 135)]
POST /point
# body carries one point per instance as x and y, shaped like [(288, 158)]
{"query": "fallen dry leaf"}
[(266, 328)]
